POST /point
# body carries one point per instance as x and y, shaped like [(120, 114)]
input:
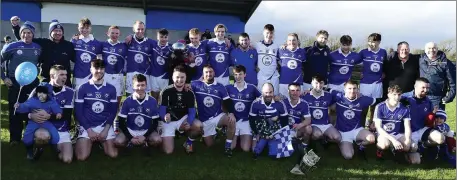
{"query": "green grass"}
[(206, 163)]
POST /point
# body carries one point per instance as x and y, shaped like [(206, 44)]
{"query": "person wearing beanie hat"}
[(24, 35), (55, 49), (446, 150), (55, 30)]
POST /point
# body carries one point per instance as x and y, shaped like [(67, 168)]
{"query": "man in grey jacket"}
[(441, 73)]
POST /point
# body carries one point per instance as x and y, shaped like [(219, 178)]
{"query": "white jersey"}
[(267, 61)]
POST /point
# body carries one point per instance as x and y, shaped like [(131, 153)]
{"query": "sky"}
[(416, 22)]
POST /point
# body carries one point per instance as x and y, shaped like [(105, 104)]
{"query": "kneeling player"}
[(95, 109), (211, 97), (138, 117), (300, 119), (392, 121), (177, 109), (242, 95), (319, 102), (349, 108)]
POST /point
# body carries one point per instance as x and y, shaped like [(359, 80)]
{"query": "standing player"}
[(349, 106), (95, 110), (266, 117), (177, 110), (158, 70), (392, 121), (219, 55), (317, 59), (114, 54), (138, 55), (319, 102), (242, 94), (86, 48), (139, 117), (198, 49), (268, 59), (211, 96), (373, 72), (247, 57), (291, 60), (343, 61)]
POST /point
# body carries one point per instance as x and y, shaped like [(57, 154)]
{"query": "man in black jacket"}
[(55, 50), (434, 66), (402, 69)]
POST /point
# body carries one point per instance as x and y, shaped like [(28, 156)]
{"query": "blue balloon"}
[(26, 73)]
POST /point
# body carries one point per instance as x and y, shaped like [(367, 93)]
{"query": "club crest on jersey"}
[(106, 95), (62, 102), (93, 48), (111, 49), (36, 52), (147, 110), (324, 103), (120, 50), (349, 114), (251, 56), (19, 52), (239, 106), (139, 121), (247, 95), (267, 60), (98, 107), (350, 106)]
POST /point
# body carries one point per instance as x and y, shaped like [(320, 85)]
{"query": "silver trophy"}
[(309, 161)]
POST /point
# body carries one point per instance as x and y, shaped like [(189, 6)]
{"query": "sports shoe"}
[(361, 153), (188, 148), (324, 143), (255, 156), (228, 152), (379, 154), (30, 155), (296, 170), (146, 149), (14, 143), (37, 154)]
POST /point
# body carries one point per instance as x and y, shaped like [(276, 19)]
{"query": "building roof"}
[(241, 8)]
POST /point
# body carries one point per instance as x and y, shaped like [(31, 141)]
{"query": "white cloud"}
[(415, 22)]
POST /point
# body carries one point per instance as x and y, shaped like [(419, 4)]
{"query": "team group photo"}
[(204, 104)]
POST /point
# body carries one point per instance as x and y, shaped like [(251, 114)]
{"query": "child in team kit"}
[(41, 100), (447, 149)]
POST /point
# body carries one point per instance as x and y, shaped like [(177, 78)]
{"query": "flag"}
[(284, 141)]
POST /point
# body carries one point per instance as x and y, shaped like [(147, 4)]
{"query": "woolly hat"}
[(441, 114), (28, 25), (55, 25)]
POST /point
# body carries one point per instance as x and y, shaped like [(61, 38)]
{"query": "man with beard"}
[(95, 110), (211, 96), (317, 59), (177, 111), (55, 50), (421, 106), (138, 118)]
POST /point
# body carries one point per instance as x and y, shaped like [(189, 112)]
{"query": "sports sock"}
[(189, 141), (228, 143)]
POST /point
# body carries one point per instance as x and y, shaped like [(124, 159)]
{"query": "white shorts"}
[(350, 136), (322, 127), (416, 136), (169, 129), (397, 137), (209, 126), (129, 82), (117, 80), (98, 129), (79, 81), (157, 84), (371, 90), (136, 133), (339, 88), (64, 137), (274, 81), (243, 128), (284, 89), (222, 80)]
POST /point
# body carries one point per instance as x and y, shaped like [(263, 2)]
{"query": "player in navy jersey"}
[(242, 94), (420, 107), (300, 119), (268, 59), (219, 54), (198, 49), (247, 57), (95, 110), (343, 62), (87, 48), (114, 53), (159, 77), (140, 50), (64, 97), (211, 96), (317, 59), (349, 106), (291, 60), (373, 59), (138, 118), (392, 121), (177, 111), (319, 102), (266, 116)]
